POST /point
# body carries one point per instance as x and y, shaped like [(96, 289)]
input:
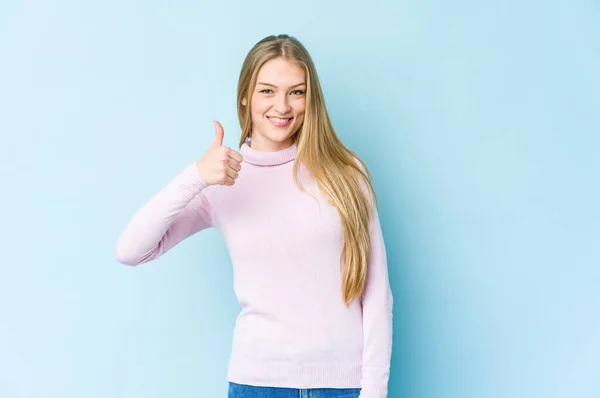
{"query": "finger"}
[(234, 164), (228, 181), (219, 134), (236, 156), (231, 173)]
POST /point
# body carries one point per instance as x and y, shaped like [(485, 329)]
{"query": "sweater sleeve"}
[(377, 303), (176, 212)]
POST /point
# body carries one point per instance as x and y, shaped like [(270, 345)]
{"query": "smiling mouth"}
[(280, 122)]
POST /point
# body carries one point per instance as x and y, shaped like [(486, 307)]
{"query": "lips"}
[(280, 122)]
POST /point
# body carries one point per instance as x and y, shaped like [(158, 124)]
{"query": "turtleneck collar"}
[(263, 158)]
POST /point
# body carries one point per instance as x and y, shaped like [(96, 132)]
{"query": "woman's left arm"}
[(377, 303)]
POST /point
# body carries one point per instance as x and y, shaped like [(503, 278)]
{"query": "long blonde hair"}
[(336, 169)]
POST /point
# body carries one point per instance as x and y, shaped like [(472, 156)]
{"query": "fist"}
[(219, 165)]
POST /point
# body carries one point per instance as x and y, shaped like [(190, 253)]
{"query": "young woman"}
[(298, 214)]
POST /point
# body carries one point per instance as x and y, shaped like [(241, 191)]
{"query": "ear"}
[(244, 101)]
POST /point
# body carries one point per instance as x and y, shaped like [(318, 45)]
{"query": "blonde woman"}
[(298, 213)]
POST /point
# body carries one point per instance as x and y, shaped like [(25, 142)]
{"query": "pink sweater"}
[(293, 329)]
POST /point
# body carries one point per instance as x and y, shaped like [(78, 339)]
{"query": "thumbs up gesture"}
[(219, 165)]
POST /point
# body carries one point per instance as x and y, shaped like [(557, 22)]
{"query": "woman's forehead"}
[(280, 72)]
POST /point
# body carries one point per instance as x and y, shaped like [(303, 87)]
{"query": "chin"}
[(279, 136)]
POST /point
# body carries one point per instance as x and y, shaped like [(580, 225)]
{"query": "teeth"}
[(277, 120)]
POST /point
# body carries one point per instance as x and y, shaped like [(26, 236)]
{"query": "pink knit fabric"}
[(293, 329)]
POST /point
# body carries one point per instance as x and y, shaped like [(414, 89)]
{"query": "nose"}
[(282, 105)]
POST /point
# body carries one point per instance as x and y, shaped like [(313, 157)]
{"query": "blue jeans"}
[(245, 391)]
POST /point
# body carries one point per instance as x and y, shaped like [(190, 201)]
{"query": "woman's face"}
[(277, 105)]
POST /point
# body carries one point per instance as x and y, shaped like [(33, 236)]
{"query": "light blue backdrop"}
[(480, 123)]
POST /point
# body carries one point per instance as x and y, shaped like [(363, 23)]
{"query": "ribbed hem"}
[(294, 375)]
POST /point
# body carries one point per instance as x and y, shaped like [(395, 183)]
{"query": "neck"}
[(263, 145)]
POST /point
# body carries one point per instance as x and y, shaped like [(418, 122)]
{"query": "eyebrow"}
[(272, 85)]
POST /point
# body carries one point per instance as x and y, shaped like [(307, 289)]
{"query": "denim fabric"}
[(245, 391)]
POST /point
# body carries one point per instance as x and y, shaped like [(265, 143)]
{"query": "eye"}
[(266, 89), (300, 92)]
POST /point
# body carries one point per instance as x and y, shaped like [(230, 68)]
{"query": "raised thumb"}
[(219, 134)]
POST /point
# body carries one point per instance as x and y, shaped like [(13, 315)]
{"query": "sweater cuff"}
[(190, 182), (369, 390)]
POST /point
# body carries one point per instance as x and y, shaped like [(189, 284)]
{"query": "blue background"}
[(479, 121)]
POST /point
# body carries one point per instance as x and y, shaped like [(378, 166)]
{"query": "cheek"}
[(300, 107), (259, 106)]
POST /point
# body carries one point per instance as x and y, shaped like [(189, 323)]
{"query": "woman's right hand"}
[(220, 164)]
